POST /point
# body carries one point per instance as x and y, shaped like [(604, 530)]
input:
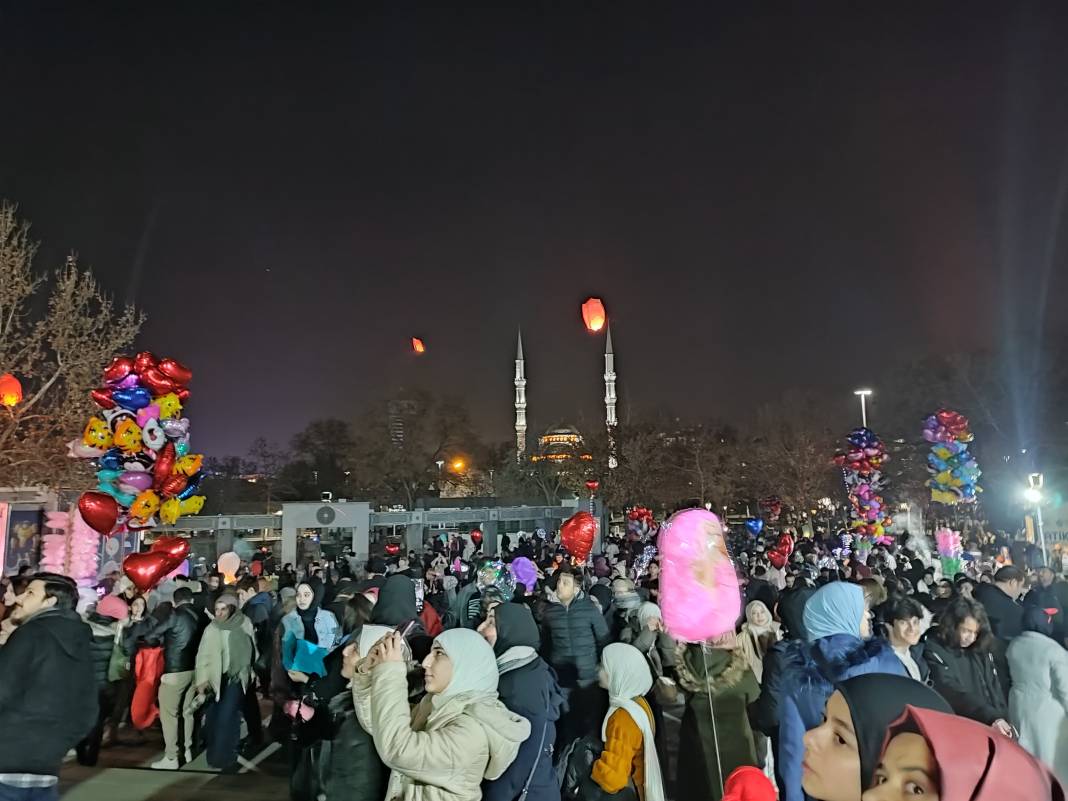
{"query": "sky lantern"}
[(10, 390), (418, 346), (593, 315)]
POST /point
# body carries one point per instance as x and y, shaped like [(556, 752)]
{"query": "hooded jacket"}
[(48, 695), (969, 679), (811, 670), (574, 636), (443, 748), (527, 686)]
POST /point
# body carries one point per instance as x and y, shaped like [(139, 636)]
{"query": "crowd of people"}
[(845, 679)]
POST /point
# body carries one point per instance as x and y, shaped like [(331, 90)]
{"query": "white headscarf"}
[(474, 665), (629, 678), (750, 612), (648, 611)]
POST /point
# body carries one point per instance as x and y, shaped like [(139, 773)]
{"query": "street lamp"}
[(863, 394), (1033, 495)]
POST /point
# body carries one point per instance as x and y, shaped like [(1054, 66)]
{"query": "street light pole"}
[(863, 394)]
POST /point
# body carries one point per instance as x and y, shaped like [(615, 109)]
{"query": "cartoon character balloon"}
[(699, 593)]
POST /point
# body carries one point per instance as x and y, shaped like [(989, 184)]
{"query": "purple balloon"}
[(129, 382), (525, 572), (136, 478)]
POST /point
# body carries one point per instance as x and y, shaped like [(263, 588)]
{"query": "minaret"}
[(610, 397), (520, 401)]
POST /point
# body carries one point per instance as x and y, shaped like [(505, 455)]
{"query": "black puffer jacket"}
[(1006, 616), (969, 679), (179, 635), (101, 645), (48, 696), (572, 639)]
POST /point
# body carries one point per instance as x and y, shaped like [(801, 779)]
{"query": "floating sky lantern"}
[(418, 346), (10, 390), (593, 315)]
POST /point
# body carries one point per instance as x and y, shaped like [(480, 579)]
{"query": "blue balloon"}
[(112, 460), (132, 399), (107, 475), (754, 524), (192, 487)]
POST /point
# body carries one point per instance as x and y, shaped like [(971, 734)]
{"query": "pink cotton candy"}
[(699, 593)]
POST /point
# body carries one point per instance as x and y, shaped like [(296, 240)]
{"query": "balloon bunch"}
[(493, 574), (862, 471), (140, 446), (639, 523), (773, 506), (642, 562), (954, 471), (846, 540), (949, 551), (780, 553)]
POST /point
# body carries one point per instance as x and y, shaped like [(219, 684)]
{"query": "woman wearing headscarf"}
[(720, 671), (964, 668), (841, 754), (397, 607), (759, 632), (310, 621), (224, 666), (458, 735), (629, 753), (1038, 700), (944, 757), (837, 625), (527, 686)]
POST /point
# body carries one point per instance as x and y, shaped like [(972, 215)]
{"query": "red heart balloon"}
[(157, 382), (102, 398), (120, 367), (176, 548), (777, 557), (99, 510), (577, 533), (476, 537), (176, 371), (183, 394), (143, 361), (785, 544), (173, 485), (164, 465), (592, 485), (146, 569)]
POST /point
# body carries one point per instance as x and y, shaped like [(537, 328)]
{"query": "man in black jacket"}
[(1000, 602), (48, 699), (179, 634)]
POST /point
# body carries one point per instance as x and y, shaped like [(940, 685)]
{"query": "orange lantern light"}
[(417, 345), (10, 390), (593, 315)]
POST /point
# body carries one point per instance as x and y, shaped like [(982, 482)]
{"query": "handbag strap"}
[(537, 759)]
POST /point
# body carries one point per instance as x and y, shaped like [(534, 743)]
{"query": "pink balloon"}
[(138, 479), (699, 593)]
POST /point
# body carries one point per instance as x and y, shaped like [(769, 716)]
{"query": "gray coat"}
[(572, 639), (1038, 700)]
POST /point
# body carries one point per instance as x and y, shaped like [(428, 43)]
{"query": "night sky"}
[(767, 199)]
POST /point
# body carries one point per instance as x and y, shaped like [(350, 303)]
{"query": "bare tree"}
[(57, 353)]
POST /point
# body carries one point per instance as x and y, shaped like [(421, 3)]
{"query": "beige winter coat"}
[(213, 657), (436, 752)]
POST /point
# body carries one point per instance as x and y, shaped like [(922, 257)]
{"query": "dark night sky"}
[(766, 199)]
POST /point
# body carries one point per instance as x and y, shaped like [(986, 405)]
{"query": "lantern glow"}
[(417, 345), (10, 390), (593, 315)]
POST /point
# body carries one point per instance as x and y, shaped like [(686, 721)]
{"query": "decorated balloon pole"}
[(862, 464), (950, 551), (954, 471), (700, 597), (592, 485), (139, 443)]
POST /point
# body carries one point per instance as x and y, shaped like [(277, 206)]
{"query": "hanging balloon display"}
[(862, 465), (699, 593), (139, 444), (954, 471)]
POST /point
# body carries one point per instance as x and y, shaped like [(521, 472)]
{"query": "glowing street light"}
[(1033, 495), (863, 394), (458, 465)]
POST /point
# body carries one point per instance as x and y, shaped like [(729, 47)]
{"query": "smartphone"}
[(404, 628)]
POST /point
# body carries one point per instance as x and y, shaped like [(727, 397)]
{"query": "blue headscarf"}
[(836, 608)]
